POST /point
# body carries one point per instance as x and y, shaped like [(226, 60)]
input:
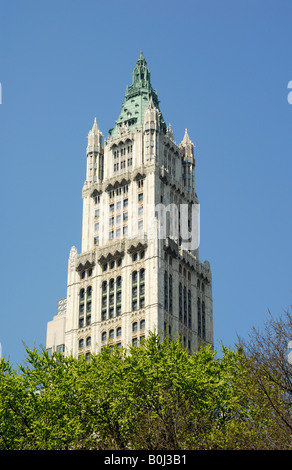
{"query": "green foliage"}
[(154, 396)]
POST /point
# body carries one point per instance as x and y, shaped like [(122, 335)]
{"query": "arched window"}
[(81, 293), (111, 334), (142, 325), (104, 286), (88, 341), (103, 336), (81, 343), (135, 326), (119, 331)]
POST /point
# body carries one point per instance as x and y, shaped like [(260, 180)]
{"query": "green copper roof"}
[(137, 99)]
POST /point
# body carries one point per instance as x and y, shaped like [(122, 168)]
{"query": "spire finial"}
[(95, 126), (141, 59)]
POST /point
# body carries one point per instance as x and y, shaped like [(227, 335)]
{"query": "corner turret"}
[(94, 154)]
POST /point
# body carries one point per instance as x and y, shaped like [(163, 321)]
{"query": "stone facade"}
[(136, 272)]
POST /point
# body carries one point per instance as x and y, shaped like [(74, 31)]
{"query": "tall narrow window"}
[(170, 293), (118, 294), (203, 321), (103, 315), (104, 286), (185, 305), (199, 317), (104, 300), (142, 288), (81, 308), (134, 290), (103, 336), (189, 309), (166, 290)]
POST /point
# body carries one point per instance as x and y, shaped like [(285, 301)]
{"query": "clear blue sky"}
[(221, 69)]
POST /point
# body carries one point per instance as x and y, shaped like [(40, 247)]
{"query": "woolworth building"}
[(138, 270)]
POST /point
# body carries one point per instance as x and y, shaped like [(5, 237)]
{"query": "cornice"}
[(117, 181)]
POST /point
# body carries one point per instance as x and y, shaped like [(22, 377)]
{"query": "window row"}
[(86, 342), (85, 296), (118, 232), (119, 191), (118, 219), (185, 306), (116, 333), (136, 340), (122, 151), (119, 204), (112, 264), (121, 231), (111, 299), (123, 164), (138, 255), (86, 273), (59, 349), (135, 326), (186, 274), (111, 334), (138, 289)]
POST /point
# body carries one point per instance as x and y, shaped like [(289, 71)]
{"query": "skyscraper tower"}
[(138, 269)]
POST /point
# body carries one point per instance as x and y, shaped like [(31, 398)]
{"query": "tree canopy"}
[(152, 396)]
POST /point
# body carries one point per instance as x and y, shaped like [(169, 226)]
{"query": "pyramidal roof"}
[(139, 95)]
